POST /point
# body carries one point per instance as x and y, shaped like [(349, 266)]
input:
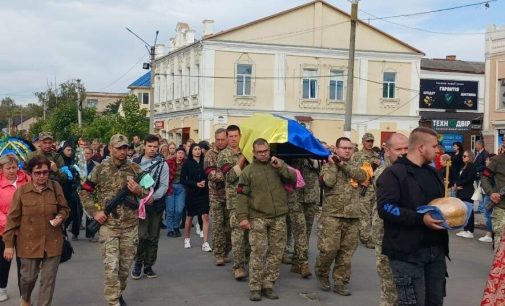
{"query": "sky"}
[(44, 42)]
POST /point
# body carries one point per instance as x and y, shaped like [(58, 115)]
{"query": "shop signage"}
[(446, 140), (450, 124), (448, 94), (159, 124)]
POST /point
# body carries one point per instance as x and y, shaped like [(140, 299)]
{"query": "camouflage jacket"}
[(227, 162), (54, 157), (310, 172), (215, 176), (379, 171), (493, 177), (340, 198), (109, 179), (363, 156)]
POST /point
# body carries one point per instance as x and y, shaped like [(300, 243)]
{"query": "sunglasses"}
[(41, 173), (465, 155)]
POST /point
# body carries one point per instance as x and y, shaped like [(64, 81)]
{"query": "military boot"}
[(219, 261), (295, 269), (286, 259), (341, 289), (305, 271), (239, 273), (324, 282), (227, 259), (255, 295), (370, 245), (269, 293)]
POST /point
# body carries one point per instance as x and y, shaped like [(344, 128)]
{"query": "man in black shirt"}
[(416, 244)]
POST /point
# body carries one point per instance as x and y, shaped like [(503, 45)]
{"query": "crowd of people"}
[(254, 214)]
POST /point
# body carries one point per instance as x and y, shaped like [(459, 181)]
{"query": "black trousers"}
[(75, 216), (5, 266)]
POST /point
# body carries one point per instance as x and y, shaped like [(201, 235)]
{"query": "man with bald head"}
[(395, 147), (416, 244)]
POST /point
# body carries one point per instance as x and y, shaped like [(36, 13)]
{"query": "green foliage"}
[(134, 121), (112, 108)]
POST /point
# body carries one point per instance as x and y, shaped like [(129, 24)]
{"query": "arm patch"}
[(487, 173)]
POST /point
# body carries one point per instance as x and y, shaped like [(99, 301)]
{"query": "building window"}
[(91, 103), (336, 85), (244, 73), (501, 83), (143, 98), (389, 85), (309, 84)]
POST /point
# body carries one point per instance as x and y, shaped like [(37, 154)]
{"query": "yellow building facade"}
[(293, 64)]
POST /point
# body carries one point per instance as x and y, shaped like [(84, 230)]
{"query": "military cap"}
[(45, 135), (118, 141), (367, 136)]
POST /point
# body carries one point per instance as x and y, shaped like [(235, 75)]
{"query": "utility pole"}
[(350, 70), (79, 104)]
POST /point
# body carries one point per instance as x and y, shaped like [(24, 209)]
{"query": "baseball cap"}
[(118, 141), (367, 136), (46, 135)]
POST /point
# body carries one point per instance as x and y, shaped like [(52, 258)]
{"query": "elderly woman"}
[(35, 217), (11, 178)]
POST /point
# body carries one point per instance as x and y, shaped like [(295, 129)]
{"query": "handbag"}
[(477, 194), (66, 250)]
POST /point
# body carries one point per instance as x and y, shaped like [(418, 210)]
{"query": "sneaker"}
[(486, 238), (467, 234), (206, 247), (148, 271), (461, 234), (137, 270), (201, 234), (3, 295), (198, 230), (187, 243)]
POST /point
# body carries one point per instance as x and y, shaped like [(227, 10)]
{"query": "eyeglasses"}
[(264, 152), (41, 173), (346, 148)]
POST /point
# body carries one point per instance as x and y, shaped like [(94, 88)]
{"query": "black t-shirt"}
[(430, 184)]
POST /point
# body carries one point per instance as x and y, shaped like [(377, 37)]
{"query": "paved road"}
[(189, 277)]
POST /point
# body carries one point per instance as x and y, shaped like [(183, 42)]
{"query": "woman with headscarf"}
[(70, 187)]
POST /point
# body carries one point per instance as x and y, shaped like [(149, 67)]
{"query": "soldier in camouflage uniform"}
[(309, 195), (231, 162), (219, 215), (492, 181), (396, 145), (46, 144), (262, 208), (119, 233), (339, 222), (367, 201)]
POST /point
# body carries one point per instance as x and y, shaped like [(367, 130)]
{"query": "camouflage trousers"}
[(118, 246), (387, 285), (337, 241), (240, 247), (267, 238), (149, 235), (221, 232), (309, 211), (498, 221), (299, 233), (366, 205)]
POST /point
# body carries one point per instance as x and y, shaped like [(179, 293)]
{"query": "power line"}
[(124, 74), (392, 111)]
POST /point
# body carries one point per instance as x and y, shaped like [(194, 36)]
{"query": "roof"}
[(444, 65), (305, 5), (143, 81)]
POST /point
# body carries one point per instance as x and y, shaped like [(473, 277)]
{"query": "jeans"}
[(487, 213), (421, 283), (175, 206)]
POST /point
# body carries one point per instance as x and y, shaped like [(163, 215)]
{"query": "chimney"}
[(190, 37), (208, 26), (159, 50), (450, 57)]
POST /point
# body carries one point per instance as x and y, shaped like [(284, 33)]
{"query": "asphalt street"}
[(189, 277)]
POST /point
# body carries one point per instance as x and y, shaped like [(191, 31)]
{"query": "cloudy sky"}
[(48, 41)]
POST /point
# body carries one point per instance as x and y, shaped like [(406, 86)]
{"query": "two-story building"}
[(141, 88), (294, 64), (494, 121), (100, 100)]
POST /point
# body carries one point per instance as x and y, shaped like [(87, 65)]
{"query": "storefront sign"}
[(159, 124), (447, 94), (446, 140), (450, 124)]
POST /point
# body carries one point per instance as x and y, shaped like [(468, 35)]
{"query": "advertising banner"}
[(447, 94)]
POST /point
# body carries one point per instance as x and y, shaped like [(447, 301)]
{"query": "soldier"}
[(46, 148), (338, 225), (492, 181), (309, 195), (262, 208), (219, 215), (367, 196), (118, 234), (137, 146), (231, 162), (396, 146), (149, 228)]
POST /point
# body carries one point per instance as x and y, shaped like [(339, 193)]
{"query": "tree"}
[(112, 108), (134, 121)]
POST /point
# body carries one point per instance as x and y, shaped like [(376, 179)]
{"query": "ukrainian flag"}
[(287, 137)]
